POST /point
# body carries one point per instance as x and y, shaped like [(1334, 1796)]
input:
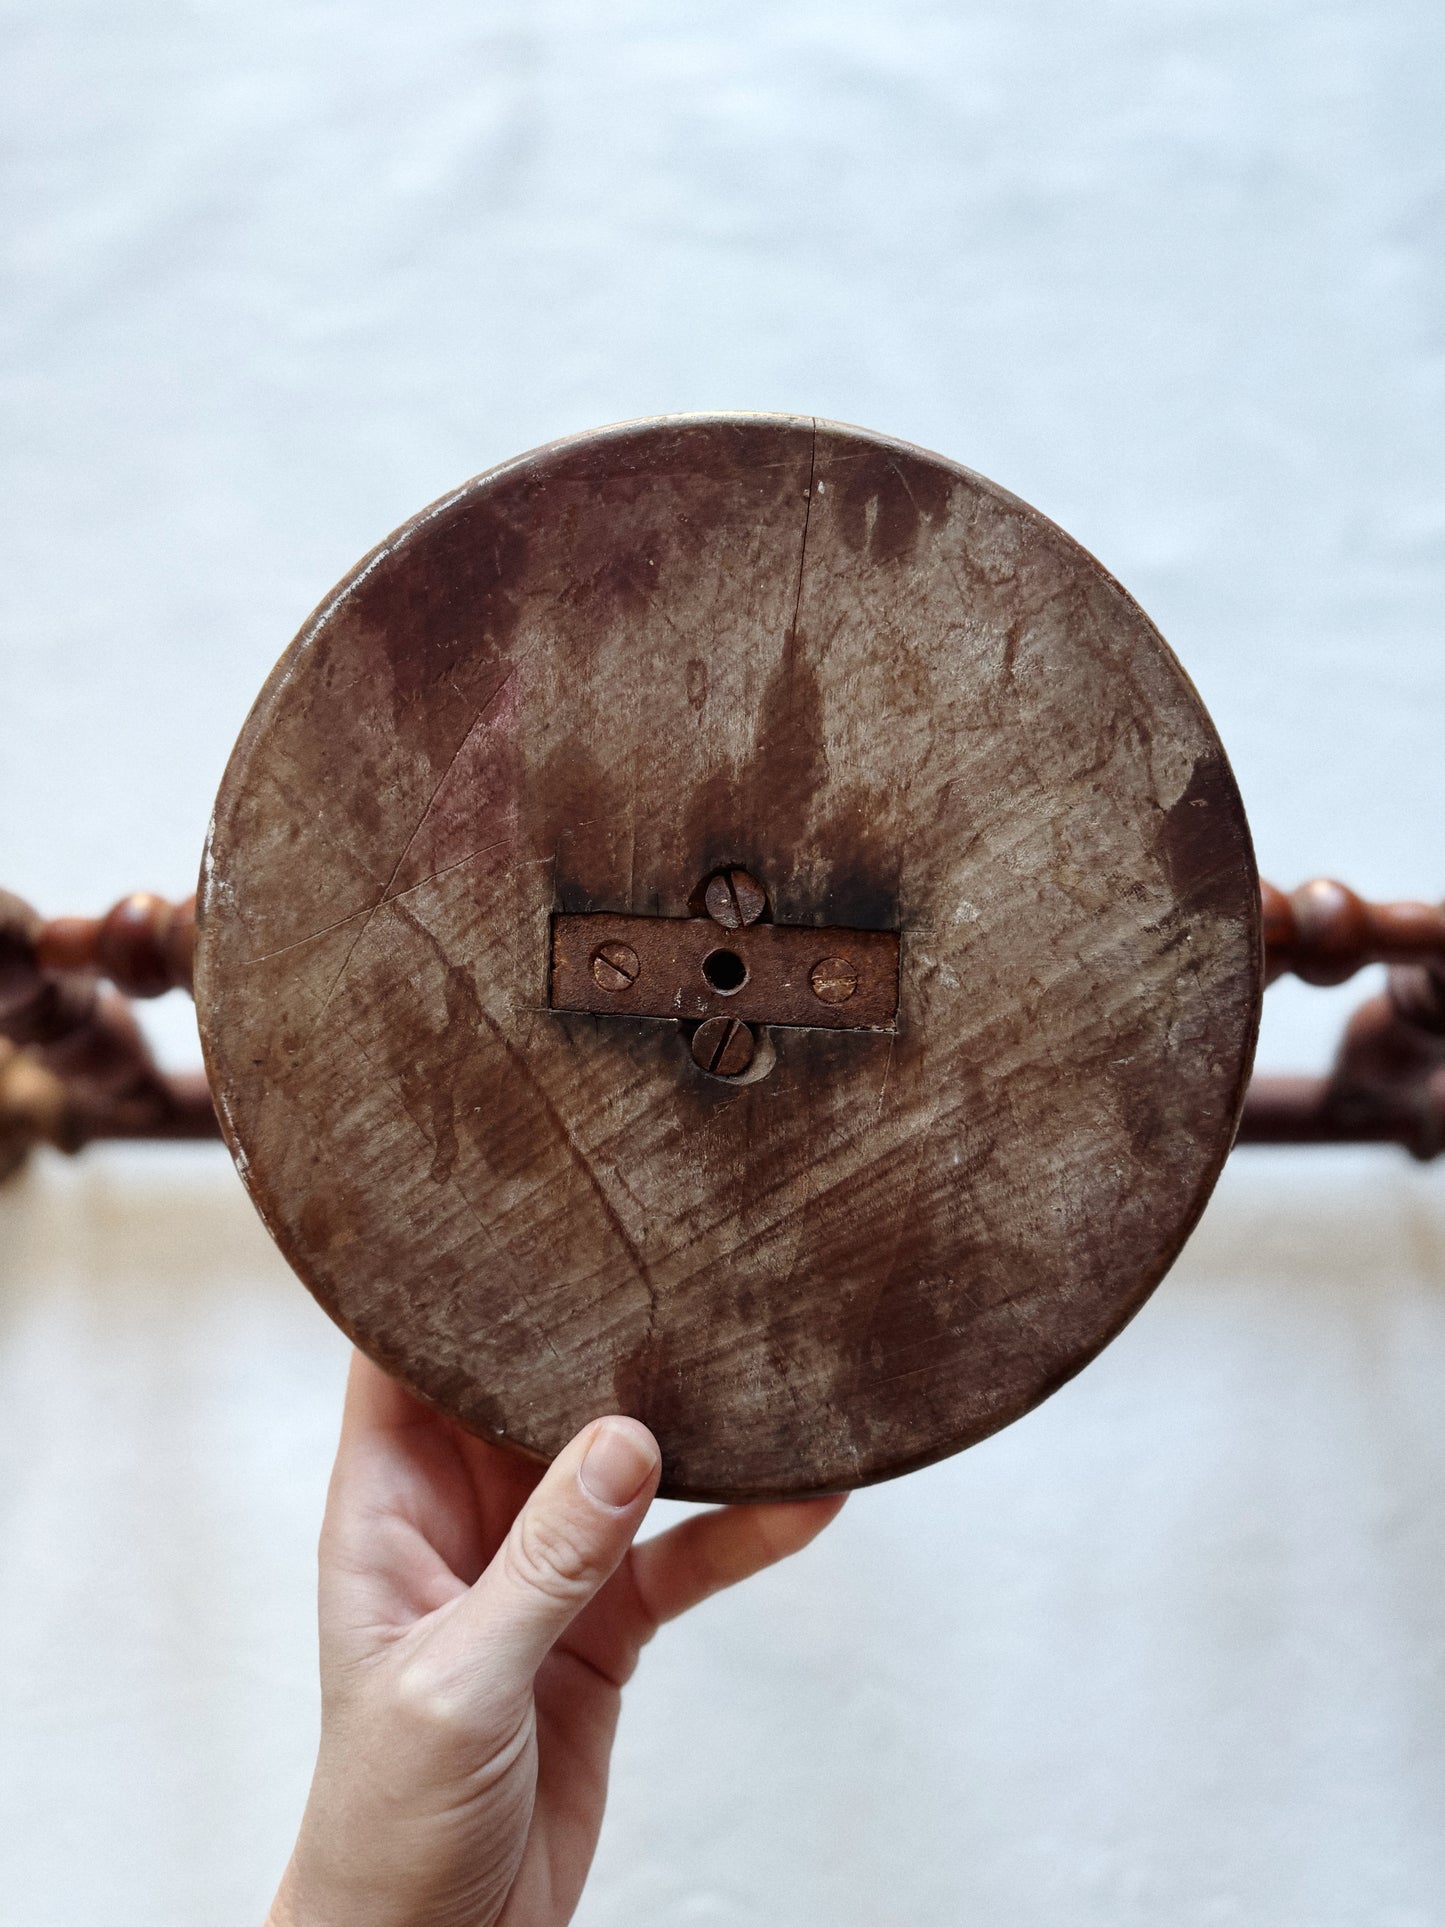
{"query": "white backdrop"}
[(274, 277)]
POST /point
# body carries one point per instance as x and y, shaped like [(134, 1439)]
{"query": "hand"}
[(479, 1617)]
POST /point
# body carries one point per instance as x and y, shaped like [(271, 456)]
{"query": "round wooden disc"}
[(902, 700)]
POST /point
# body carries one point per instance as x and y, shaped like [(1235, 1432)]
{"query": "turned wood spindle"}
[(1323, 932), (75, 1064), (1387, 1083), (143, 945)]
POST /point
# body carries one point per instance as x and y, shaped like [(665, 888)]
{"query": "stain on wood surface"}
[(904, 701)]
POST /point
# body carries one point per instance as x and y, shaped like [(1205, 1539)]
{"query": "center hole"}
[(725, 970)]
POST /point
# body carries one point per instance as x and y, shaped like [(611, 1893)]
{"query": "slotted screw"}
[(834, 980), (733, 898), (615, 966), (723, 1045)]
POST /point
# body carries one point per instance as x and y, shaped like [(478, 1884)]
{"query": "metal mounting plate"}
[(780, 961)]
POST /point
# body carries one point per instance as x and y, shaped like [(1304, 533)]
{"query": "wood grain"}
[(901, 699)]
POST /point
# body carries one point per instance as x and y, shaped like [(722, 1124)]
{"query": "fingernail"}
[(618, 1463)]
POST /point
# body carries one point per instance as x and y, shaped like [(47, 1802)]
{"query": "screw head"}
[(614, 967), (723, 1045), (834, 980), (733, 898)]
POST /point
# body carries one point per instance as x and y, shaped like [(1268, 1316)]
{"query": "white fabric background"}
[(275, 276)]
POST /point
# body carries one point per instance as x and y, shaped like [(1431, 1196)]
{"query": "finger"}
[(376, 1403), (384, 1433), (564, 1545), (687, 1564), (399, 1456), (502, 1481), (398, 1490), (386, 1436)]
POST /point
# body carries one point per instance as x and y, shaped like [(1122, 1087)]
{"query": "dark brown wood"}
[(900, 699), (1324, 932), (38, 1106), (1285, 1109), (1387, 1083), (143, 945), (76, 1066)]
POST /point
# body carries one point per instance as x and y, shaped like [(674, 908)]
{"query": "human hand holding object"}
[(479, 1617)]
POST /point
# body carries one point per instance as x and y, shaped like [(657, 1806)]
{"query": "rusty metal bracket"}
[(687, 967), (727, 966)]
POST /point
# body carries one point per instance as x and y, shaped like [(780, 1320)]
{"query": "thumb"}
[(564, 1545)]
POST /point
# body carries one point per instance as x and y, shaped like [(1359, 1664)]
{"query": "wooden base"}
[(903, 702)]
